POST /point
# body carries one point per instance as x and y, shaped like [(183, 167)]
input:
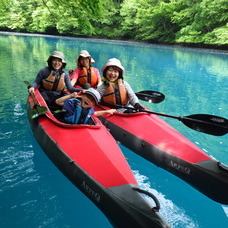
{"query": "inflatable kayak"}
[(152, 138), (92, 160)]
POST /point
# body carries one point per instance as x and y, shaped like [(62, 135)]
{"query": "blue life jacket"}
[(76, 114)]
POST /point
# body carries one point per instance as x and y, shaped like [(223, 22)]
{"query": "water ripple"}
[(16, 168), (174, 215), (6, 135)]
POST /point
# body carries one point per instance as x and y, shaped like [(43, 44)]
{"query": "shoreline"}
[(222, 47)]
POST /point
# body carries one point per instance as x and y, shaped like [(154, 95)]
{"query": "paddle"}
[(209, 124), (150, 96), (37, 110)]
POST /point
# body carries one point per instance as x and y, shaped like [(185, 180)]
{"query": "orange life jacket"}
[(55, 83), (115, 94), (87, 76)]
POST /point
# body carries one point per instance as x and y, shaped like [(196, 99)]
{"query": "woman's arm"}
[(133, 99), (73, 81), (74, 76), (98, 76), (99, 82), (69, 86)]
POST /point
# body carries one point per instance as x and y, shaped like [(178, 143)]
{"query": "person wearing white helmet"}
[(80, 106), (52, 80), (114, 90), (84, 74)]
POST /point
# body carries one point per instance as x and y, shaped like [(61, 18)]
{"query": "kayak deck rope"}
[(157, 203)]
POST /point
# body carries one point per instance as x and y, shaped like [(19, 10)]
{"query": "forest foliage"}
[(163, 21)]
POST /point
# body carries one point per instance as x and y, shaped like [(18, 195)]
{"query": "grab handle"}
[(223, 167), (157, 207)]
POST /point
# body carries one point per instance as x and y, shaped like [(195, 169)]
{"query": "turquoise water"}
[(34, 194)]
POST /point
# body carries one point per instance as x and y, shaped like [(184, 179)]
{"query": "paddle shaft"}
[(180, 118), (32, 94), (161, 114), (147, 111)]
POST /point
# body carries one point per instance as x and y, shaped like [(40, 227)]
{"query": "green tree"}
[(128, 14), (67, 16), (204, 21), (151, 19), (172, 21), (109, 23)]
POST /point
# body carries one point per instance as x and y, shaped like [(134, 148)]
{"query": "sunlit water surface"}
[(35, 194)]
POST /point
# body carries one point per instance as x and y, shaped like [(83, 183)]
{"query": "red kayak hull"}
[(153, 139), (92, 160)]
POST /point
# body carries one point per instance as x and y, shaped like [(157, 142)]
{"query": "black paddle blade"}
[(150, 96), (38, 111), (209, 124), (27, 83)]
